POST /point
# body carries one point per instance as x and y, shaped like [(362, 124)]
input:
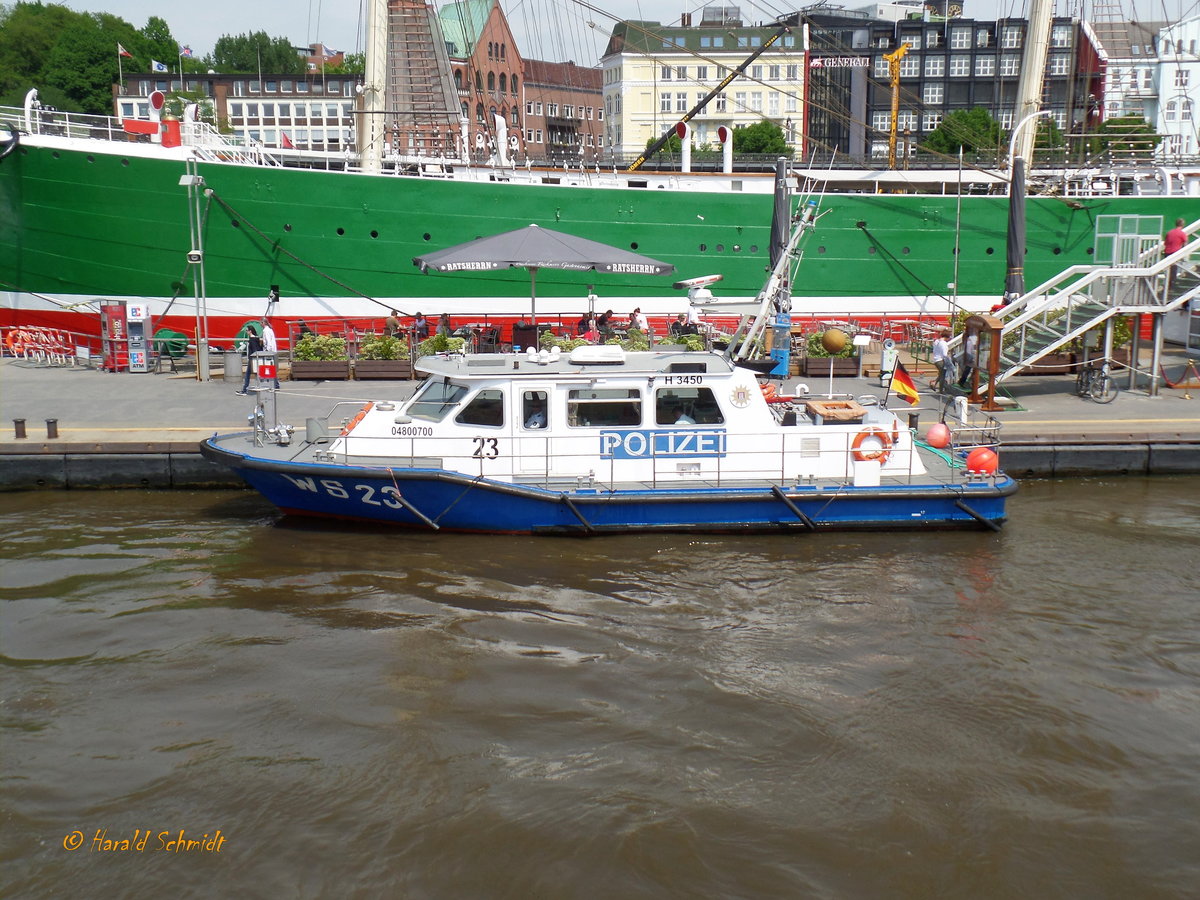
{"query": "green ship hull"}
[(78, 225)]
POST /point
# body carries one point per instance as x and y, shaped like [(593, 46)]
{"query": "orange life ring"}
[(15, 341), (881, 455), (350, 425), (768, 390)]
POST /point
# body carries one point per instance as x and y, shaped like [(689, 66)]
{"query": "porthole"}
[(1091, 250), (821, 249), (737, 248), (871, 251), (374, 234), (704, 248), (91, 158), (905, 251), (287, 227), (720, 248), (990, 250), (235, 223), (754, 248), (341, 231), (425, 236), (125, 163), (1057, 251), (633, 245), (55, 154)]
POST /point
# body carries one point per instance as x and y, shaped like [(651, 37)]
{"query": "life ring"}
[(15, 341), (14, 138), (768, 390), (881, 455)]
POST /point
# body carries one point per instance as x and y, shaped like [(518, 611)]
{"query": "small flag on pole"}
[(185, 51), (121, 51), (902, 384), (156, 66), (287, 142)]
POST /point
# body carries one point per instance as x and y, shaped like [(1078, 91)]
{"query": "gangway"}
[(1133, 280)]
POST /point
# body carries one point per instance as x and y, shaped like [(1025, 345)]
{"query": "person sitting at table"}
[(604, 322), (420, 327), (681, 326), (443, 326), (582, 326), (391, 325), (638, 321), (592, 331)]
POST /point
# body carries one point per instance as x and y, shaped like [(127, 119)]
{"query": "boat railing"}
[(782, 458)]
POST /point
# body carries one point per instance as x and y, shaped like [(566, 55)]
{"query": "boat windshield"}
[(435, 400)]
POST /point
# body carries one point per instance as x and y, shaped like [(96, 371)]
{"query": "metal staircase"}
[(1056, 313)]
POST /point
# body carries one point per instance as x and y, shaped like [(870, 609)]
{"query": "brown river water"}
[(203, 700)]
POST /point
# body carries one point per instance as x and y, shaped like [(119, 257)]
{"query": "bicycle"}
[(1094, 380)]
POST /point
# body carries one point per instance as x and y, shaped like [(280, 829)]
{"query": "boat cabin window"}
[(606, 407), (686, 406), (534, 409), (435, 399), (485, 408)]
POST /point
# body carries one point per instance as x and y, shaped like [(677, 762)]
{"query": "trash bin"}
[(233, 367)]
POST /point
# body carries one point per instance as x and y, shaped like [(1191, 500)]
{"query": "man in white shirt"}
[(270, 344), (941, 359)]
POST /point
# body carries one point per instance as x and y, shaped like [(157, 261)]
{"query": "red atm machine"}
[(125, 332)]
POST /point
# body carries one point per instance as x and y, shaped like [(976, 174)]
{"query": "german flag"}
[(902, 384)]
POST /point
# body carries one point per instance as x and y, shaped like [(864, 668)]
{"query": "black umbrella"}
[(536, 248), (1014, 280), (781, 214)]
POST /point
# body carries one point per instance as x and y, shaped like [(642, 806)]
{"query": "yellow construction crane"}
[(893, 61)]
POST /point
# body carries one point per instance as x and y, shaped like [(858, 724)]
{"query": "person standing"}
[(941, 358), (638, 320), (270, 344), (1173, 243), (970, 358), (254, 345)]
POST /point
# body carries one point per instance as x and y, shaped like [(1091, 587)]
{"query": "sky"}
[(545, 29)]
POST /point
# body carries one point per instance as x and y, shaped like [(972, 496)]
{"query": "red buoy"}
[(981, 459), (938, 435)]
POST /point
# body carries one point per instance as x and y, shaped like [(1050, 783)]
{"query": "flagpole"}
[(120, 73)]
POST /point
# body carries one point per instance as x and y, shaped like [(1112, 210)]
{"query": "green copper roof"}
[(462, 23)]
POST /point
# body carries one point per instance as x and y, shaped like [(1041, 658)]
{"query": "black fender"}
[(9, 144)]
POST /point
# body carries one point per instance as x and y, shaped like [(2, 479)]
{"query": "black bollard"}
[(51, 429), (913, 419), (18, 428)]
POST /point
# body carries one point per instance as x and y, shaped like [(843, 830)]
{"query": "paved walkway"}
[(104, 411)]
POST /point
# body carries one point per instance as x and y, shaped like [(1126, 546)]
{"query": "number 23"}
[(486, 448)]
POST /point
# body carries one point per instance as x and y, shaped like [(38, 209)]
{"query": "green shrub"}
[(385, 346), (440, 343), (320, 346)]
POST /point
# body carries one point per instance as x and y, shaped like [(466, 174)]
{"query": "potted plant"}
[(818, 360), (440, 343), (320, 357), (383, 356)]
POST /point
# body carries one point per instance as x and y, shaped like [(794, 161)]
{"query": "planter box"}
[(815, 366), (391, 369), (320, 369)]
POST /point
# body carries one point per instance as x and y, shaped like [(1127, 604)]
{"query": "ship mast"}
[(373, 90), (1030, 84)]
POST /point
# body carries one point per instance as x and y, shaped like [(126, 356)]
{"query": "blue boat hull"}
[(433, 499)]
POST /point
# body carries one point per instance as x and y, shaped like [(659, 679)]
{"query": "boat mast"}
[(1030, 84), (373, 90)]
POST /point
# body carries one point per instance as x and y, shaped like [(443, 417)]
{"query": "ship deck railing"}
[(571, 463)]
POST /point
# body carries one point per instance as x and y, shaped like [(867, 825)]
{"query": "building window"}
[(552, 110), (681, 102), (1060, 36), (985, 66), (960, 66), (512, 85), (1012, 37), (665, 73), (529, 108), (720, 103), (503, 82), (773, 104), (933, 92), (881, 67), (983, 38), (1181, 77), (702, 73), (1169, 111), (960, 38), (681, 73), (913, 40), (935, 66), (756, 72), (773, 73), (1010, 65), (1185, 111), (906, 120), (756, 101), (1060, 64), (910, 67), (664, 102), (491, 82), (793, 73), (880, 120), (789, 104), (930, 121)]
